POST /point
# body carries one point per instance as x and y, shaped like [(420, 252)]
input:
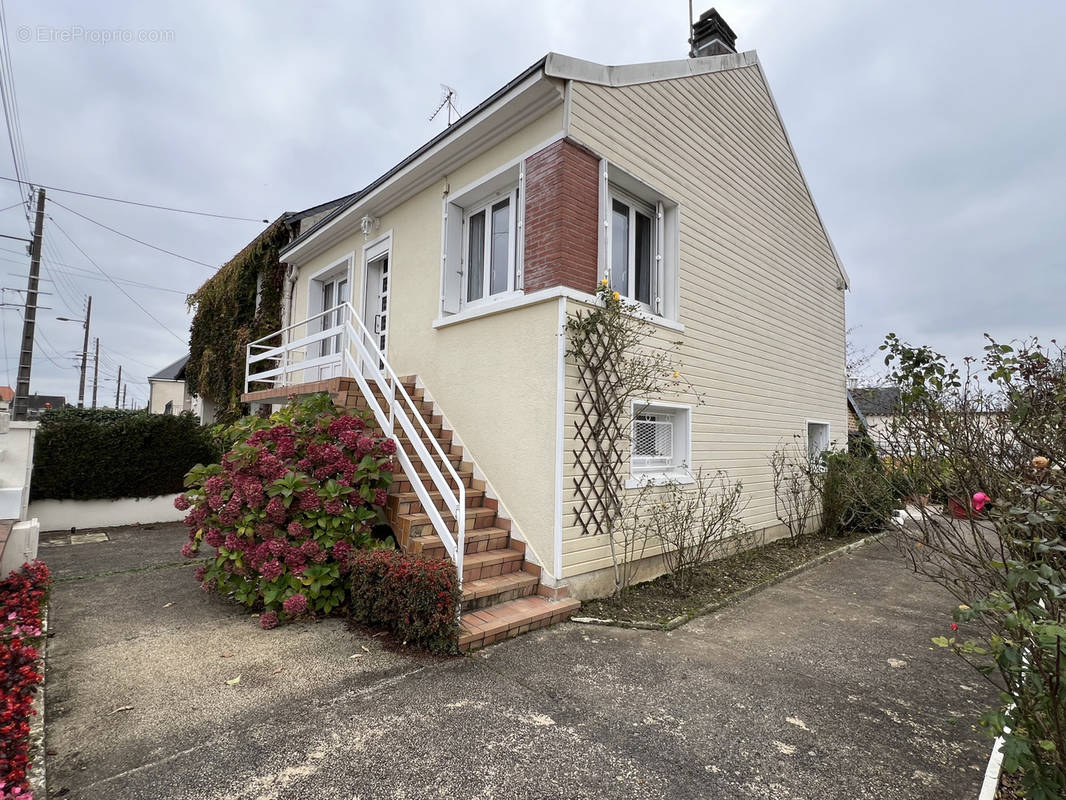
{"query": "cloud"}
[(930, 134)]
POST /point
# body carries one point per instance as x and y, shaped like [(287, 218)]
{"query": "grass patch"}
[(659, 601)]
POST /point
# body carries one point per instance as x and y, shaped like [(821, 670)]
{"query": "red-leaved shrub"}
[(414, 597), (293, 497), (21, 599)]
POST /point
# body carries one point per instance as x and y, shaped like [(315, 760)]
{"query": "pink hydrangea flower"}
[(334, 506), (214, 537), (268, 620), (341, 550), (188, 550), (272, 569), (181, 502), (276, 510), (380, 496), (295, 605), (388, 447)]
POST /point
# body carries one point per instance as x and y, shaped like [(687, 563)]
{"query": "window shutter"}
[(659, 277), (520, 228), (451, 259)]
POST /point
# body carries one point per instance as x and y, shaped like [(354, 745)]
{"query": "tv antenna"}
[(448, 97)]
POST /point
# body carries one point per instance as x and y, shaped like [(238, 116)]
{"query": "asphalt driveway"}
[(825, 686)]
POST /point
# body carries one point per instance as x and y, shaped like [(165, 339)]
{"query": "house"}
[(877, 405), (240, 302), (7, 397), (167, 392), (458, 268), (37, 404)]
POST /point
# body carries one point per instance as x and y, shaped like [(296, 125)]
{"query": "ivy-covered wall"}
[(226, 319)]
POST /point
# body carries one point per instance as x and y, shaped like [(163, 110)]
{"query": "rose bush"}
[(294, 496), (21, 606)]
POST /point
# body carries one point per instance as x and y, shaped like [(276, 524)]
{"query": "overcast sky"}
[(932, 134)]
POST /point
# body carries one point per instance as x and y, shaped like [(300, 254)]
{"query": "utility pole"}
[(118, 388), (85, 353), (84, 348), (29, 320), (96, 369), (123, 396)]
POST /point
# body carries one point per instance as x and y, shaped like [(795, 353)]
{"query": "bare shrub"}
[(699, 522), (797, 487)]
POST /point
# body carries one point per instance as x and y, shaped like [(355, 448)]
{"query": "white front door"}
[(376, 303), (334, 293)]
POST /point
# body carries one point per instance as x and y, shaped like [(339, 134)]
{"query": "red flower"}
[(954, 626)]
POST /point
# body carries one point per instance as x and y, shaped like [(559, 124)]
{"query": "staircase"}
[(502, 593)]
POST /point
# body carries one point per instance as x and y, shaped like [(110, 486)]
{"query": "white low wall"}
[(21, 546), (62, 515)]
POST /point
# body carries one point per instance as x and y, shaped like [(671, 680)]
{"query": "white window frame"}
[(677, 470), (457, 208), (650, 211), (511, 195), (666, 263), (811, 455)]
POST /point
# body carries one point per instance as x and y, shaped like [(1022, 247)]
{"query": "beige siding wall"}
[(763, 317), (163, 392), (494, 377)]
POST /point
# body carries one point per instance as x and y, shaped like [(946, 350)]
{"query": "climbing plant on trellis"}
[(618, 362)]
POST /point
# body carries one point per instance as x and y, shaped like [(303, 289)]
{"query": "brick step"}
[(498, 589), (490, 563), (424, 407), (401, 483), (403, 503), (478, 540), (419, 524), (495, 623)]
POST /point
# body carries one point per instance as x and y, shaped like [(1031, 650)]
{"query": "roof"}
[(854, 407), (38, 401), (175, 372), (444, 134), (877, 401), (555, 70)]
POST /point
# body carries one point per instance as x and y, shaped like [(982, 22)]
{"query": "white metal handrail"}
[(359, 355)]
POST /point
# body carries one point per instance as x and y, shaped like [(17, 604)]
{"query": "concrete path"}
[(822, 687)]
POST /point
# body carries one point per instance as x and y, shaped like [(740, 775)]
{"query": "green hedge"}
[(92, 454)]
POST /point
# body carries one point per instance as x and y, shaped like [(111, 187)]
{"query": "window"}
[(631, 248), (640, 242), (661, 436), (817, 440), (490, 253)]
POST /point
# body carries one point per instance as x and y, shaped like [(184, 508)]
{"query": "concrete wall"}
[(62, 515), (16, 464), (759, 300)]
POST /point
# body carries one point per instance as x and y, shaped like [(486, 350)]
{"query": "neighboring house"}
[(7, 397), (459, 267), (37, 404), (247, 298), (877, 406), (167, 392)]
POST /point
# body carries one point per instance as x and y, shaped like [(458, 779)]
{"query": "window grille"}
[(653, 441)]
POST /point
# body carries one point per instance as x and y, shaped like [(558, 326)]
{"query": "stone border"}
[(38, 753), (990, 784), (710, 608)]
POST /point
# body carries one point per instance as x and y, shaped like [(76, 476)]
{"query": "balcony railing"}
[(335, 343)]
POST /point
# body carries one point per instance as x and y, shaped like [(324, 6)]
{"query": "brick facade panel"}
[(561, 228)]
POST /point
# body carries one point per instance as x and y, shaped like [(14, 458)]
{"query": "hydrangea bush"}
[(22, 596), (295, 494)]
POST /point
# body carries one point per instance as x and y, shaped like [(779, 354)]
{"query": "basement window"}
[(660, 442)]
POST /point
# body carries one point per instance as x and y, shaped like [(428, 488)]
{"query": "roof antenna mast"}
[(448, 98)]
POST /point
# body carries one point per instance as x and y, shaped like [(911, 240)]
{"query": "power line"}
[(89, 258), (79, 272), (136, 203), (134, 238), (13, 205), (10, 104)]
